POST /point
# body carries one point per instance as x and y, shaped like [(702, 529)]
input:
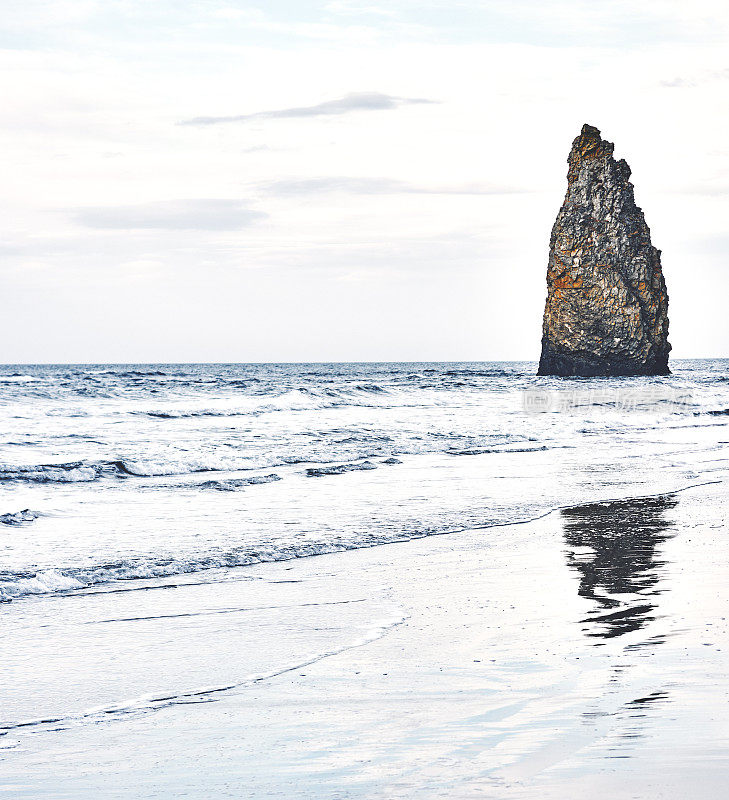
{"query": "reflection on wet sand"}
[(615, 549), (612, 546)]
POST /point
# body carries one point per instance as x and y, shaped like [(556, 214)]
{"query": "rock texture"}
[(607, 305)]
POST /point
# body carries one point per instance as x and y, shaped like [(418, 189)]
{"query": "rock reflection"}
[(613, 549)]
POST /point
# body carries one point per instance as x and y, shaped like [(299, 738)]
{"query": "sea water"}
[(118, 472)]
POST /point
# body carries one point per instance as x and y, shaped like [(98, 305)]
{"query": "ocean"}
[(114, 472)]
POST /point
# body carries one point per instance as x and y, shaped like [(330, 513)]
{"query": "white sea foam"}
[(51, 473), (43, 582)]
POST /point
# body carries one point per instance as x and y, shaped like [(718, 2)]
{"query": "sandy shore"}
[(585, 653)]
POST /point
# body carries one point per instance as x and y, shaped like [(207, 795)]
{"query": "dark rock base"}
[(586, 365)]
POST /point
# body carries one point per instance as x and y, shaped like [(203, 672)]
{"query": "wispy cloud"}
[(704, 77), (712, 245), (358, 101), (677, 83), (709, 189), (357, 8), (201, 215), (349, 185)]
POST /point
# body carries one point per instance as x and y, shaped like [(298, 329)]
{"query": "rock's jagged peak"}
[(589, 144), (592, 154)]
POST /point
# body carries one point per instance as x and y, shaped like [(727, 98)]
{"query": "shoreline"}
[(530, 663), (59, 575)]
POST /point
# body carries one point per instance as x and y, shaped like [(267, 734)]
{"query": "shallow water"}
[(583, 653)]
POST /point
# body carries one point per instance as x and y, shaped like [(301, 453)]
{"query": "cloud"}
[(350, 7), (201, 215), (358, 101), (323, 185), (678, 83), (719, 189), (711, 245), (704, 77)]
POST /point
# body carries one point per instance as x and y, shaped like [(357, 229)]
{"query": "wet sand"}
[(583, 653)]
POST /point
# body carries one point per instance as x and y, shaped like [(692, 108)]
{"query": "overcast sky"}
[(292, 180)]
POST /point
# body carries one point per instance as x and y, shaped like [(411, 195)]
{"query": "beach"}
[(364, 400), (582, 652)]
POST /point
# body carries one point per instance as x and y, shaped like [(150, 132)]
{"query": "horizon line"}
[(282, 363)]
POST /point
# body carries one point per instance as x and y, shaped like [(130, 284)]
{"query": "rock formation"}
[(607, 306)]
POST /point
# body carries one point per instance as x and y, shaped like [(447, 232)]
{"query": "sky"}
[(335, 180)]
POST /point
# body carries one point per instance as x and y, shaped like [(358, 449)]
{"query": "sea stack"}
[(607, 305)]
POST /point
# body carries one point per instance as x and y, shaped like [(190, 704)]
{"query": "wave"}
[(479, 451), (371, 387), (62, 580), (86, 472), (80, 472), (128, 373), (294, 400), (202, 412), (42, 582), (73, 472), (19, 517), (231, 484), (300, 399), (148, 468), (14, 586), (339, 469), (480, 373)]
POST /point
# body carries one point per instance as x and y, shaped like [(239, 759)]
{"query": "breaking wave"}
[(18, 378), (231, 484), (14, 586), (74, 472), (19, 517), (302, 399), (339, 469), (60, 580), (479, 451), (86, 472)]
